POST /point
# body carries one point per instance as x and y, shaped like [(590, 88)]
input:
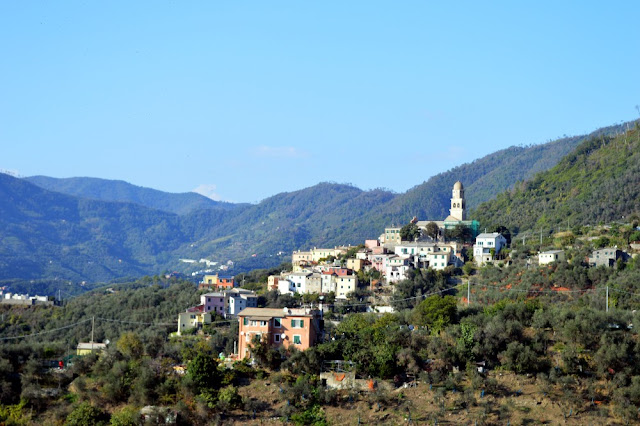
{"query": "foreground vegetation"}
[(558, 349)]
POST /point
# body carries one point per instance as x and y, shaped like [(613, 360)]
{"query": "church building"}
[(457, 216)]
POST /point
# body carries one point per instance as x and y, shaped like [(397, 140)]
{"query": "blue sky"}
[(248, 99)]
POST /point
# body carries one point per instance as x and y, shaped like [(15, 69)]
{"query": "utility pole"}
[(607, 298), (541, 237), (93, 324), (468, 291)]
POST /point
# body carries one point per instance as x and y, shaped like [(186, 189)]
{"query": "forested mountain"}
[(117, 190), (597, 182), (48, 235)]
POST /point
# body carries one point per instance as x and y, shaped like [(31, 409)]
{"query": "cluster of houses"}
[(317, 278), (390, 255), (227, 303)]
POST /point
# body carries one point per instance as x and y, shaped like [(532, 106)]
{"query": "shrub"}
[(86, 414)]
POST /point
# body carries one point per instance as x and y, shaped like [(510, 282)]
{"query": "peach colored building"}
[(280, 327), (370, 244), (272, 282)]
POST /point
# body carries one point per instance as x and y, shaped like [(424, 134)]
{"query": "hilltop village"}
[(336, 274), (323, 279)]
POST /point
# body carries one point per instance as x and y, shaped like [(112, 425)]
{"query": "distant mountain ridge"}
[(121, 191), (45, 234)]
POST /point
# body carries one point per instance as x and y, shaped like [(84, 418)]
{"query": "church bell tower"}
[(457, 209)]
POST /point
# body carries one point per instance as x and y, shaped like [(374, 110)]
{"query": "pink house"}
[(213, 302)]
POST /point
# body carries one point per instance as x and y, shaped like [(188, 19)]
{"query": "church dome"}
[(457, 185)]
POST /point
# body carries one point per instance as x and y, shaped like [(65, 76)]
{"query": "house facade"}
[(392, 235), (272, 282), (238, 299), (216, 282), (428, 254), (487, 246), (213, 302), (605, 257), (300, 328), (194, 317), (546, 257), (86, 348), (345, 284)]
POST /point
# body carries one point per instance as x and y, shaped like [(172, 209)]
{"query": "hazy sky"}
[(248, 99)]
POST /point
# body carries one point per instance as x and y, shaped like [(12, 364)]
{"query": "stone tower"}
[(457, 202)]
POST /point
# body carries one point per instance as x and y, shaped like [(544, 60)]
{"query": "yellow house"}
[(194, 317), (355, 264), (86, 348), (210, 279)]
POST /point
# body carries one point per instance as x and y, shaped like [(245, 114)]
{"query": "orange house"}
[(225, 283), (216, 282), (280, 327)]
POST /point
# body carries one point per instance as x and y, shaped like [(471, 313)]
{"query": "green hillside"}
[(484, 178), (597, 182), (117, 190)]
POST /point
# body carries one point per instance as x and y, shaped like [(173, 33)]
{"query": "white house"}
[(396, 268), (238, 299), (550, 256), (485, 242), (345, 284), (299, 280), (286, 286), (328, 281), (428, 254)]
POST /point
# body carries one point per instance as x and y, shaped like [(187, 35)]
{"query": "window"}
[(276, 338), (277, 322), (245, 321), (254, 323), (193, 316), (263, 323), (297, 339), (297, 323)]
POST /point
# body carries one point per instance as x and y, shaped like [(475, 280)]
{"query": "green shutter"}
[(245, 321), (301, 323)]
